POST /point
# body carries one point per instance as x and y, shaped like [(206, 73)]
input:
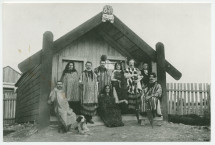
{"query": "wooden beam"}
[(45, 79), (171, 70), (134, 38), (161, 78), (68, 38), (30, 62), (145, 47), (113, 43)]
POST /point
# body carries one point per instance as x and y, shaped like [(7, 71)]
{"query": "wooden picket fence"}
[(188, 98), (9, 104)]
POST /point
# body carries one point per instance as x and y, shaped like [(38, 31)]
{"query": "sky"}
[(184, 29)]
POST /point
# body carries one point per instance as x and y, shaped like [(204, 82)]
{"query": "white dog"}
[(82, 125)]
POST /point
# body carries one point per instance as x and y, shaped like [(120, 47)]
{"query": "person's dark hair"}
[(135, 63), (154, 74), (66, 70), (118, 63), (111, 90), (89, 62)]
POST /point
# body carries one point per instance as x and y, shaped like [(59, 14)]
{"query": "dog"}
[(82, 125)]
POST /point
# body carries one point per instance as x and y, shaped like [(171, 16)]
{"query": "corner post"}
[(161, 75), (45, 79)]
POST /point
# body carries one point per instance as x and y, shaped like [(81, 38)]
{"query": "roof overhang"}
[(116, 34)]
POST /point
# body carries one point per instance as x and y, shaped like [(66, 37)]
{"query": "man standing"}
[(89, 92), (152, 95), (133, 76), (103, 74)]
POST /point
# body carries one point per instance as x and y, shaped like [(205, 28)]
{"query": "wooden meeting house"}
[(102, 34)]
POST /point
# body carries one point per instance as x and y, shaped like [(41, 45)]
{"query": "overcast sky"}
[(185, 30)]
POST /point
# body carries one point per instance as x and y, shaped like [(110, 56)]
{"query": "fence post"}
[(188, 95), (196, 100), (175, 97), (209, 97), (170, 98), (200, 97)]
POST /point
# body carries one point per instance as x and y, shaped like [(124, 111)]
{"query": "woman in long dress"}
[(109, 110), (66, 116), (70, 79), (119, 86)]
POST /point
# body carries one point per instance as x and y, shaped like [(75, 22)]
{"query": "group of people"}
[(105, 92)]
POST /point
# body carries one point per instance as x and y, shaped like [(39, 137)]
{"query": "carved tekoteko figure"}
[(107, 14)]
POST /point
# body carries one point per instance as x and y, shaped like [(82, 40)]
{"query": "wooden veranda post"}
[(45, 79), (161, 78)]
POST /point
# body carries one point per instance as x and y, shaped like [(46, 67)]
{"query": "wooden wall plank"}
[(178, 99), (196, 99), (168, 96), (175, 97), (201, 99), (28, 94), (28, 75), (189, 96), (91, 42), (204, 97), (209, 97), (185, 99), (27, 118), (192, 98)]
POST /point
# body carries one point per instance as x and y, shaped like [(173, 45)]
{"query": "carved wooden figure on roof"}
[(107, 14)]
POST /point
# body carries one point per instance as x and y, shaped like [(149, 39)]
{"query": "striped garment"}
[(89, 109), (155, 91), (89, 93), (103, 77)]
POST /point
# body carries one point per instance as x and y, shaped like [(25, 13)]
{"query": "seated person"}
[(65, 115), (151, 96), (108, 109)]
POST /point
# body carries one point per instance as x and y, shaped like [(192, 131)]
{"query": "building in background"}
[(10, 77)]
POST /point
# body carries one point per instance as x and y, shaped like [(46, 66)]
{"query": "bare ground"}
[(131, 132)]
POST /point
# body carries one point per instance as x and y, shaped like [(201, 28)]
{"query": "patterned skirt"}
[(134, 101), (89, 109)]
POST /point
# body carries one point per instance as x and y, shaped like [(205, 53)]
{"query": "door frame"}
[(118, 58)]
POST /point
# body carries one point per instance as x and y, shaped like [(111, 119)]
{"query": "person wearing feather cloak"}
[(103, 74)]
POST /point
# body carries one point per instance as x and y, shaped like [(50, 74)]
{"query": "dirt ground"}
[(131, 132)]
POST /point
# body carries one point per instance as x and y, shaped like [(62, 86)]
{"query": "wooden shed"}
[(10, 77), (102, 34)]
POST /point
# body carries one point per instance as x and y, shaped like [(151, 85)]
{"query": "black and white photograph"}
[(106, 72)]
